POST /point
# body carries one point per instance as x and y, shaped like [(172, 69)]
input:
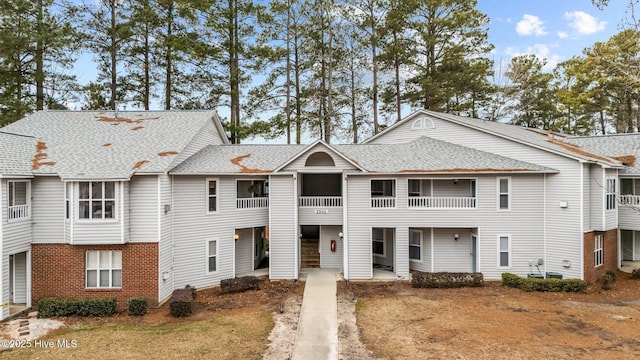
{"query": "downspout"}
[(582, 165), (433, 265), (296, 246), (160, 275), (2, 220), (270, 225), (172, 229), (345, 228), (544, 220)]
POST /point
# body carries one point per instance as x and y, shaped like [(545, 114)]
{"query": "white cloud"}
[(562, 35), (584, 23), (530, 25)]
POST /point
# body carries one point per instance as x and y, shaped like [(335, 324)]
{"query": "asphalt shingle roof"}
[(16, 153), (100, 145), (421, 155), (623, 147), (236, 159), (534, 137), (430, 155)]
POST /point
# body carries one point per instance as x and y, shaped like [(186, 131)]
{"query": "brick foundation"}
[(609, 254), (58, 270)]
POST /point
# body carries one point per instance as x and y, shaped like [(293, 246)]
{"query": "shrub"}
[(511, 280), (612, 274), (635, 274), (237, 285), (446, 280), (181, 303), (606, 281), (138, 306), (193, 290), (551, 285), (49, 307)]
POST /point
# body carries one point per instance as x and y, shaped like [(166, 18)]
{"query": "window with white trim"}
[(67, 200), (212, 195), (415, 245), (504, 251), (212, 256), (383, 193), (597, 252), (19, 199), (104, 269), (96, 200), (377, 241), (611, 194), (504, 193)]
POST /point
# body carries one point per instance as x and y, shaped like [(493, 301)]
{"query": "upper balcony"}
[(252, 194), (19, 198), (442, 194), (320, 200)]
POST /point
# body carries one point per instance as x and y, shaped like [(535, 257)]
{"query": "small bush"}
[(193, 290), (181, 303), (612, 274), (50, 307), (606, 281), (138, 306), (635, 274), (446, 280), (551, 285), (511, 280), (237, 285)]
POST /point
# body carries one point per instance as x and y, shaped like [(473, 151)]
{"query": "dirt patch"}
[(496, 322)]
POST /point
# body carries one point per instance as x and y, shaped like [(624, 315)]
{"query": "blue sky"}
[(555, 30)]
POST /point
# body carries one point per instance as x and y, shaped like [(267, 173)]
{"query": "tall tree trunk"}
[(113, 54), (39, 58), (168, 88), (296, 66), (374, 60), (287, 106), (396, 67)]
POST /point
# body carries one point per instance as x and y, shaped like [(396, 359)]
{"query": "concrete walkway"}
[(317, 336)]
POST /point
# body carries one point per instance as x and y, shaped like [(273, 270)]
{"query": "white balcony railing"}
[(383, 202), (320, 201), (252, 203), (633, 200), (428, 202), (18, 212)]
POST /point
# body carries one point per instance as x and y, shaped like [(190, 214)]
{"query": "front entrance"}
[(309, 246), (251, 250), (18, 278)]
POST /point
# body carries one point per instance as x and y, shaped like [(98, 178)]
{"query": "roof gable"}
[(299, 161), (110, 145)]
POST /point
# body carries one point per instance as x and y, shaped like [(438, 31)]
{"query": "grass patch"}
[(240, 334)]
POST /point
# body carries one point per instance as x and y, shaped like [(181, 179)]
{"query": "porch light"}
[(340, 234), (236, 237), (456, 237)]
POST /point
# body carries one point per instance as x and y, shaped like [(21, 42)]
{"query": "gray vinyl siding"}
[(524, 223), (324, 216), (208, 135), (244, 251), (339, 161), (16, 235), (564, 233), (193, 227), (586, 195), (329, 259), (165, 261), (48, 210), (611, 215), (107, 231), (452, 255), (629, 218), (143, 209), (283, 240), (597, 198)]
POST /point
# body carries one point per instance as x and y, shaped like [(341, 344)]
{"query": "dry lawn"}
[(232, 326), (496, 322)]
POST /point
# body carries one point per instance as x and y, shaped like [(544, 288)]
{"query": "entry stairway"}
[(309, 255)]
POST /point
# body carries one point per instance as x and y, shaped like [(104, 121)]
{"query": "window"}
[(504, 251), (96, 200), (212, 195), (377, 241), (67, 201), (212, 255), (611, 194), (252, 188), (414, 187), (597, 252), (383, 193), (504, 190), (415, 245), (19, 199), (104, 269)]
